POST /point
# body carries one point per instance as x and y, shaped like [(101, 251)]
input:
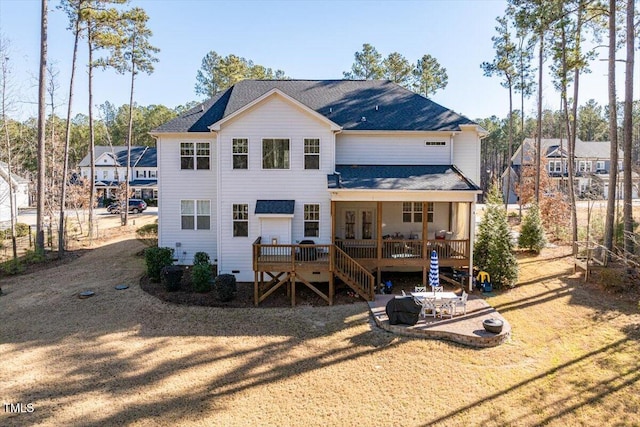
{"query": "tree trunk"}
[(92, 179), (65, 161), (539, 131), (12, 202), (41, 130), (129, 134), (572, 135), (613, 134), (627, 125), (510, 149)]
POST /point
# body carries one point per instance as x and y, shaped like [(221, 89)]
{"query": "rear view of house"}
[(309, 180)]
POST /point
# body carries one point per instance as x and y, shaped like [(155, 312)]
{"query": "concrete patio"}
[(464, 329)]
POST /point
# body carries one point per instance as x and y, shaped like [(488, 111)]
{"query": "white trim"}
[(273, 92), (271, 215), (351, 195)]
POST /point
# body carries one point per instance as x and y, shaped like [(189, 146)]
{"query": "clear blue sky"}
[(306, 39)]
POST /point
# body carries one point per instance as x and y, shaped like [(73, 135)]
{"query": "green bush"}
[(201, 258), (171, 276), (532, 234), (156, 258), (225, 285), (201, 277), (22, 230), (13, 266)]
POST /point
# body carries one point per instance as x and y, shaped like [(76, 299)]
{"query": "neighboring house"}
[(592, 166), (20, 195), (373, 175), (110, 171)]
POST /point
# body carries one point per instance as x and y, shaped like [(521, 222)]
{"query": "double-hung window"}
[(241, 220), (275, 153), (195, 214), (412, 212), (311, 153), (240, 150), (194, 155), (312, 220)]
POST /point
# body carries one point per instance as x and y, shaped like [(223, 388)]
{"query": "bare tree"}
[(627, 129), (41, 129)]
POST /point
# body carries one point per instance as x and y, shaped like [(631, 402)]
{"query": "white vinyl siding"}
[(392, 149), (466, 152), (176, 184), (275, 117)]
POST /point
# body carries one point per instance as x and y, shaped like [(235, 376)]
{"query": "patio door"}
[(275, 230), (358, 224)]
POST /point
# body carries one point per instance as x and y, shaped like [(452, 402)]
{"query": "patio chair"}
[(461, 302), (420, 289), (438, 288), (426, 304), (447, 308)]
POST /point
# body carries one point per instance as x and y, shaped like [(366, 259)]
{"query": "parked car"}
[(135, 206)]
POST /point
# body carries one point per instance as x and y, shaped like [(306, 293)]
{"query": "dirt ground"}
[(125, 357)]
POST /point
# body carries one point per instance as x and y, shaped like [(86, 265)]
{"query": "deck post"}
[(255, 288), (293, 288), (379, 245), (331, 289)]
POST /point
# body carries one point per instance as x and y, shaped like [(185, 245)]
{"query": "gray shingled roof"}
[(383, 104), (140, 155), (551, 146), (417, 177), (282, 207)]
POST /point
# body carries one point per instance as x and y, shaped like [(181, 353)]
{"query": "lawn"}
[(125, 357)]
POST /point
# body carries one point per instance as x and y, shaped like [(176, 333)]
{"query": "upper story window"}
[(312, 220), (153, 174), (240, 150), (435, 143), (600, 165), (584, 166), (311, 153), (241, 220), (194, 155), (555, 166), (275, 153), (195, 214), (105, 174)]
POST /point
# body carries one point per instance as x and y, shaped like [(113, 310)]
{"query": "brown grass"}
[(125, 357)]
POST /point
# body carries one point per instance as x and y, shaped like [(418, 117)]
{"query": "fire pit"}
[(493, 325)]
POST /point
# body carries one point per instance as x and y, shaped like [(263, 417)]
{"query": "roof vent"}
[(363, 119), (376, 108), (201, 108), (330, 110)]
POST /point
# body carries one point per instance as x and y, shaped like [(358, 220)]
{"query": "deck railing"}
[(402, 248), (347, 266)]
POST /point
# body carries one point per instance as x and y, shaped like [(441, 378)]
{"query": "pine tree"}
[(532, 234), (493, 251)]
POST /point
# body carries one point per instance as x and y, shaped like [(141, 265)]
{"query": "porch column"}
[(425, 230), (333, 222), (472, 220), (379, 245)]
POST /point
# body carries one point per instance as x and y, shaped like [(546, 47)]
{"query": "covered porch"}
[(390, 218)]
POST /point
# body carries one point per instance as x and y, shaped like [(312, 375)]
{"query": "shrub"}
[(493, 251), (22, 229), (157, 258), (171, 277), (147, 230), (201, 258), (225, 285), (532, 234), (13, 266), (201, 277)]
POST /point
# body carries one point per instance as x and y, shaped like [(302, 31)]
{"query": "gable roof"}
[(17, 180), (401, 177), (551, 148), (377, 105), (141, 156)]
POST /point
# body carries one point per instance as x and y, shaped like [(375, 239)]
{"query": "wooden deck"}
[(352, 261)]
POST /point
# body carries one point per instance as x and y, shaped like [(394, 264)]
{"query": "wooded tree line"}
[(533, 36), (561, 37)]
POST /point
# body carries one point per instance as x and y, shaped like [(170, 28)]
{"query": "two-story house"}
[(591, 167), (111, 168), (312, 180), (19, 190)]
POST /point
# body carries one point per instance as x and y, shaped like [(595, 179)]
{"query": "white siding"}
[(466, 154), (174, 185), (391, 149), (273, 118)]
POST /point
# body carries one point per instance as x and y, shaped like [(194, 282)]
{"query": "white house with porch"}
[(319, 180)]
